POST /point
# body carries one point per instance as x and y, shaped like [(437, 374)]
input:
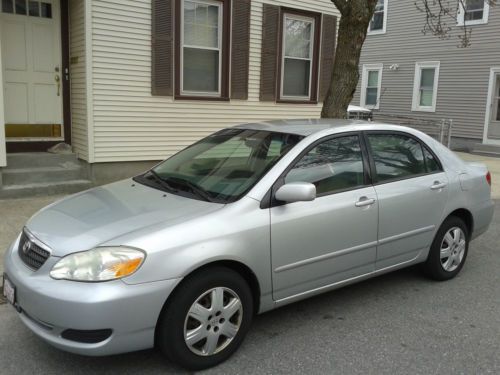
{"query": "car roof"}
[(306, 127)]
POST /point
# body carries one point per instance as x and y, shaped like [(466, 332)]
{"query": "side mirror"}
[(296, 192)]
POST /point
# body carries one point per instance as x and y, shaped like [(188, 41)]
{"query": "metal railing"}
[(440, 130)]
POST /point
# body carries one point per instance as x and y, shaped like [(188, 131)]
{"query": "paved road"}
[(400, 323)]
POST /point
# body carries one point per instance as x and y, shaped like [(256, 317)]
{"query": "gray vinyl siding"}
[(464, 72)]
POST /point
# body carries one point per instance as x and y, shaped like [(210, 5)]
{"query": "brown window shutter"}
[(268, 66), (328, 40), (240, 49), (162, 48)]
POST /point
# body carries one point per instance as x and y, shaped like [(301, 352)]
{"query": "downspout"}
[(3, 152), (89, 81)]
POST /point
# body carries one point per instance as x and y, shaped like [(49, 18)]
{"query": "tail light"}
[(488, 178)]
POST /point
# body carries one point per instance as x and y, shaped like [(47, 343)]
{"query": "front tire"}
[(206, 319), (448, 250)]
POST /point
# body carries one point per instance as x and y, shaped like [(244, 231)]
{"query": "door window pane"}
[(46, 10), (333, 165), (396, 156), (201, 70), (21, 7), (34, 8), (7, 6), (297, 56)]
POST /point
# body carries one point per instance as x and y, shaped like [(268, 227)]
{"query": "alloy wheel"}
[(213, 321), (453, 249)]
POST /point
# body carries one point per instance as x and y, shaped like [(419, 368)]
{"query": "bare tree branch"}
[(442, 15)]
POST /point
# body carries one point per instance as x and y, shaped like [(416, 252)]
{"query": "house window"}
[(473, 12), (379, 20), (299, 57), (202, 67), (371, 83), (425, 86)]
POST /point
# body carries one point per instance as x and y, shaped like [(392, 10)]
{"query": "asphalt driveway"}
[(400, 323)]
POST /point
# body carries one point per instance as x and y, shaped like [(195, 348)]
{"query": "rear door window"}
[(396, 156)]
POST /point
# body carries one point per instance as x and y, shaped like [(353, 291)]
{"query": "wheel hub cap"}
[(453, 249), (213, 321)]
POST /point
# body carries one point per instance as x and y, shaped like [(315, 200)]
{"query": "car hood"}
[(94, 217)]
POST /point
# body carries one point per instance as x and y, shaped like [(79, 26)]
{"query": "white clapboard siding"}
[(79, 137), (131, 124)]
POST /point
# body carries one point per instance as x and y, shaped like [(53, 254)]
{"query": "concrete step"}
[(39, 159), (66, 187), (486, 150), (25, 176)]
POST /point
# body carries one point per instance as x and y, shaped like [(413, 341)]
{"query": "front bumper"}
[(48, 307)]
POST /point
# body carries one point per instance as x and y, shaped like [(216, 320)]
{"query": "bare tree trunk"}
[(354, 21)]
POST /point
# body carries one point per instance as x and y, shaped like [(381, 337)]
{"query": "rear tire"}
[(448, 250), (206, 319)]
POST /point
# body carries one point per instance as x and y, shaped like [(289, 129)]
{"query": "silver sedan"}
[(244, 221)]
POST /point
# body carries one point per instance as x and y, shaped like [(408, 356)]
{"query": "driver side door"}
[(334, 237)]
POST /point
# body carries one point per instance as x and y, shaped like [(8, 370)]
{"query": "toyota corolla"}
[(246, 220)]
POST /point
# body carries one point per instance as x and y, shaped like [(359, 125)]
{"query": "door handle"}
[(364, 201), (438, 185), (58, 82)]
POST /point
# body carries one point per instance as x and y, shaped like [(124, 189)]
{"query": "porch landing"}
[(42, 173)]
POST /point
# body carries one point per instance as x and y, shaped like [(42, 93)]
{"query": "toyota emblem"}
[(26, 246)]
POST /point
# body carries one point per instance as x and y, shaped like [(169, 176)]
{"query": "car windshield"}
[(222, 167)]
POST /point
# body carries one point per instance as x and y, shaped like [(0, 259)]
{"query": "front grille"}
[(30, 253)]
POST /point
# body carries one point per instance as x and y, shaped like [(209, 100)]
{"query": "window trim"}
[(373, 169), (416, 107), (224, 66), (314, 71), (384, 26), (367, 68), (461, 15)]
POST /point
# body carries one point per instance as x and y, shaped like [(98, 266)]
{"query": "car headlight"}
[(99, 264)]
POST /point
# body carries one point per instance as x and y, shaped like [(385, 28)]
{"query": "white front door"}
[(31, 53), (494, 124)]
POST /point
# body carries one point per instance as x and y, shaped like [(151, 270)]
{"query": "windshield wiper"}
[(160, 181), (195, 189)]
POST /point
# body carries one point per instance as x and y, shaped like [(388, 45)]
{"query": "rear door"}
[(334, 237), (412, 191)]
